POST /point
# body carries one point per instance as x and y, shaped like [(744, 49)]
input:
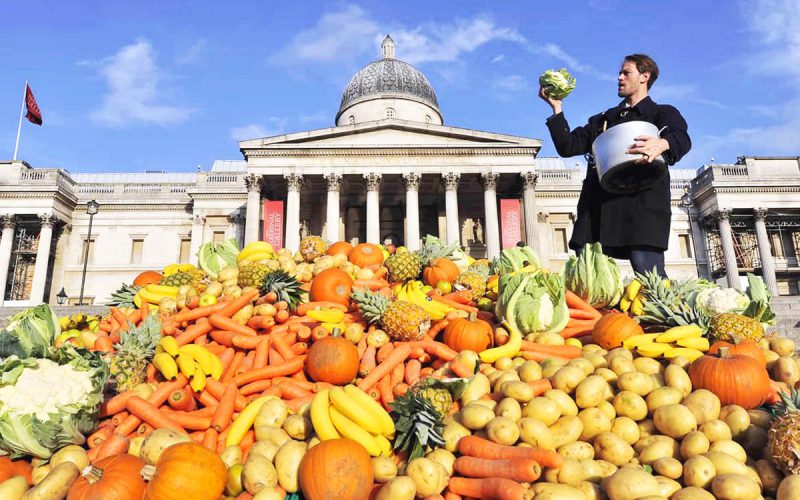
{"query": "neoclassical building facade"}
[(390, 170)]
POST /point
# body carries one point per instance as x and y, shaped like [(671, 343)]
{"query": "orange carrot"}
[(230, 372), (114, 445), (475, 446), (493, 488), (368, 361), (210, 439), (296, 403), (99, 436), (299, 348), (115, 404), (221, 322), (282, 347), (162, 392), (575, 302), (275, 357), (288, 367), (460, 296), (411, 372), (193, 331), (453, 303), (262, 353), (226, 358), (236, 304), (370, 284), (577, 331), (437, 327), (400, 389), (181, 399), (205, 398), (319, 332), (120, 417), (302, 309), (385, 388), (434, 348), (460, 369), (256, 387), (217, 389), (271, 297), (224, 414), (190, 422), (397, 356), (103, 343), (581, 314), (197, 313), (290, 390), (383, 352), (261, 322), (119, 316), (580, 322), (562, 351), (145, 309), (449, 495), (398, 373), (150, 414)]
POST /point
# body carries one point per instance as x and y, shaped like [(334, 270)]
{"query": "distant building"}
[(388, 171)]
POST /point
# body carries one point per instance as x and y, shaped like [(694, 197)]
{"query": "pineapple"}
[(439, 397), (402, 320), (312, 247), (286, 287), (783, 438), (195, 277), (123, 297), (403, 266), (729, 326), (474, 279), (418, 425), (252, 275), (433, 248), (136, 347), (666, 303)]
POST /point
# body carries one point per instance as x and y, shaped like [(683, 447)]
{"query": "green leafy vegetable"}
[(515, 259), (557, 83), (594, 277), (759, 296), (540, 308), (30, 333), (214, 256)]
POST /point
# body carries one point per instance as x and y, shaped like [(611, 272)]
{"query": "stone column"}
[(253, 211), (373, 182), (294, 183), (490, 209), (529, 180), (412, 180), (765, 251), (728, 249), (334, 186), (6, 244), (197, 236), (42, 258), (451, 206)]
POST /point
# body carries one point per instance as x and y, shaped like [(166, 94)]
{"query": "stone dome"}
[(388, 77)]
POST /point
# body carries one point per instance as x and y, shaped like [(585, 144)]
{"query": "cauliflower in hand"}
[(715, 301)]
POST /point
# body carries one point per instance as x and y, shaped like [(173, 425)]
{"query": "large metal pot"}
[(618, 171)]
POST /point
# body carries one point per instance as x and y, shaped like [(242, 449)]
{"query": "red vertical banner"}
[(510, 221), (273, 223)]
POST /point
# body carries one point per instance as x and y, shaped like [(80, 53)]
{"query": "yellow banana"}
[(690, 354), (637, 307), (633, 289), (255, 247), (169, 345), (701, 343), (321, 417), (187, 364), (363, 399), (162, 289), (186, 267), (202, 355), (332, 326), (165, 364), (385, 445), (355, 412), (413, 293), (137, 300), (680, 332), (637, 340), (625, 303), (326, 315), (351, 430), (216, 368), (653, 349), (153, 297), (198, 382), (170, 270), (255, 257)]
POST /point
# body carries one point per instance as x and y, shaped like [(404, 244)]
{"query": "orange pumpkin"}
[(366, 254), (332, 359), (440, 270), (612, 329), (340, 247), (337, 469), (10, 468), (147, 278), (468, 334), (745, 347), (332, 285), (113, 478), (735, 379), (187, 471)]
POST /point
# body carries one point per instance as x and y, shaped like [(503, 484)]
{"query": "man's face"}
[(629, 80)]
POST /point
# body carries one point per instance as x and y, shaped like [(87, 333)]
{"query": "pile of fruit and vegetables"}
[(350, 372)]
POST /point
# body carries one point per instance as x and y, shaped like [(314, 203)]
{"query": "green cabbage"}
[(514, 259), (30, 333), (214, 256), (68, 385), (594, 277), (759, 296), (540, 306), (557, 83)]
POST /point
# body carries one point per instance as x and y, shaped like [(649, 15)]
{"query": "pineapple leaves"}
[(418, 425)]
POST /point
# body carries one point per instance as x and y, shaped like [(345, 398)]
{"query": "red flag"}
[(34, 115)]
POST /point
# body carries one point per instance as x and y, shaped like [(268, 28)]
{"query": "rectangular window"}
[(183, 255), (560, 243), (90, 257), (136, 250), (219, 236), (776, 244), (685, 244)]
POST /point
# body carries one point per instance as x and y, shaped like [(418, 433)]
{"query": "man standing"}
[(629, 226)]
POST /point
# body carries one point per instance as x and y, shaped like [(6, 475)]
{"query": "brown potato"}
[(692, 493), (698, 471), (594, 421), (770, 476), (626, 428), (509, 408), (663, 396), (737, 418), (716, 430), (502, 430), (630, 483), (536, 433), (704, 404), (636, 382), (668, 467), (544, 409), (674, 420), (675, 376), (612, 448), (693, 444), (630, 404), (566, 430), (731, 448), (577, 451), (734, 487)]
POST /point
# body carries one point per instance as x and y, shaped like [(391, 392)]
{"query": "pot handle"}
[(662, 129)]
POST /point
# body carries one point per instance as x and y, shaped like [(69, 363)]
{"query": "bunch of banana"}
[(351, 413), (177, 268), (632, 300), (194, 361), (326, 315), (685, 341), (255, 251), (415, 292), (79, 322), (154, 293)]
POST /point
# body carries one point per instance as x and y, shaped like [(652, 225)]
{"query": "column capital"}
[(197, 219), (760, 213), (529, 179), (334, 181), (451, 180), (489, 180), (373, 181), (8, 220), (47, 219), (542, 217), (723, 214), (412, 180), (294, 181), (253, 182)]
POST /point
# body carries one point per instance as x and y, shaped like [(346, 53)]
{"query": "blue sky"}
[(170, 85)]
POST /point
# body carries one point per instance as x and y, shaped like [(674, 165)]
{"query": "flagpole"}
[(19, 127)]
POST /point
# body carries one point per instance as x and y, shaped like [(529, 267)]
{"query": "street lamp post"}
[(91, 209), (687, 202)]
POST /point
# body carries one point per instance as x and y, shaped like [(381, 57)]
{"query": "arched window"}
[(351, 120), (427, 118), (389, 112)]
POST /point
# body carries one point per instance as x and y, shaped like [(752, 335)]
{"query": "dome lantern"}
[(387, 47)]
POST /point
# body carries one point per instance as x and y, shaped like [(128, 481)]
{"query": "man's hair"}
[(644, 64)]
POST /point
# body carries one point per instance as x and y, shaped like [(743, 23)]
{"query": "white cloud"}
[(134, 95), (276, 126), (193, 52), (689, 93), (498, 58), (512, 83), (776, 24)]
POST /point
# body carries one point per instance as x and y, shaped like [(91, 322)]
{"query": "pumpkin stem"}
[(472, 316), (725, 352), (147, 472), (336, 332), (92, 474)]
